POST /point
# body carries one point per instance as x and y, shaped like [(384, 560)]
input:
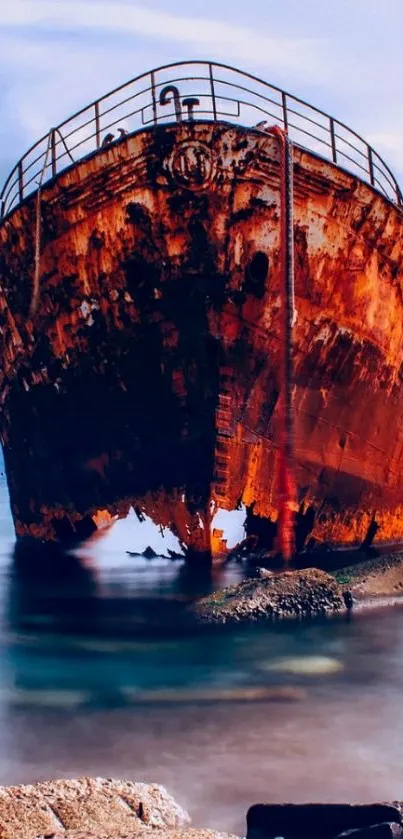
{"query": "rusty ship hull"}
[(149, 377)]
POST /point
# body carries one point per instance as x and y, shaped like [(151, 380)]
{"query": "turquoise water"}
[(95, 678)]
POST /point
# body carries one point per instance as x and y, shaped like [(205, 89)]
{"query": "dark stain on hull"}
[(149, 376)]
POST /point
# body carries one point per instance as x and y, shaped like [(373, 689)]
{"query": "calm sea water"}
[(87, 688)]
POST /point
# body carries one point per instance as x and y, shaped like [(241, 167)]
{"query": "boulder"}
[(385, 830), (190, 833), (288, 594), (94, 806), (317, 821)]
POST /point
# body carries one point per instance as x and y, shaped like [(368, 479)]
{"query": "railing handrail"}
[(14, 188)]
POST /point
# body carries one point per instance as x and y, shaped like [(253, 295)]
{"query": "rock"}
[(289, 594), (348, 599), (149, 553), (263, 572), (385, 830), (191, 833), (91, 805), (316, 821), (174, 555)]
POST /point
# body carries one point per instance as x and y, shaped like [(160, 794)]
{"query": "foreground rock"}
[(190, 833), (385, 830), (290, 594), (323, 821), (94, 808), (87, 807)]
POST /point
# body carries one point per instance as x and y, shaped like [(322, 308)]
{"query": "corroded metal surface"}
[(149, 375)]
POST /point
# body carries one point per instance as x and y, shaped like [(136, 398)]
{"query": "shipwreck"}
[(185, 311)]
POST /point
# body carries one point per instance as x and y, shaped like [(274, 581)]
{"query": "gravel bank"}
[(271, 596)]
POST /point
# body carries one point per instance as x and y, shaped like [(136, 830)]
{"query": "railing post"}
[(97, 126), (210, 67), (155, 115), (284, 104), (53, 150), (20, 181), (371, 166), (333, 140)]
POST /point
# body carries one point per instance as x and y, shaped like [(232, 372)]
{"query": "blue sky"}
[(346, 57)]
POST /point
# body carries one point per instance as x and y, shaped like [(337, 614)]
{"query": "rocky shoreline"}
[(304, 593), (380, 576), (271, 596), (96, 808)]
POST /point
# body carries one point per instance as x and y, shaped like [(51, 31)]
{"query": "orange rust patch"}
[(149, 377)]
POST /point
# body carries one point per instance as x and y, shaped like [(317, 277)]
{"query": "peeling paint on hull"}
[(149, 377)]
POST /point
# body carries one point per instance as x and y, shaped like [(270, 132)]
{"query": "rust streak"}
[(149, 377)]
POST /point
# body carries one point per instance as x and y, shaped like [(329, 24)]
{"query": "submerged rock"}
[(305, 665), (348, 599), (149, 553), (289, 594)]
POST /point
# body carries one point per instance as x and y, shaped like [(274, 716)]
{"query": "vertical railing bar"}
[(97, 126), (20, 181), (333, 140), (53, 151), (210, 66), (285, 114), (371, 166), (155, 116)]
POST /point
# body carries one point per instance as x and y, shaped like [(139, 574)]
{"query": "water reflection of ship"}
[(66, 643), (52, 590), (73, 640)]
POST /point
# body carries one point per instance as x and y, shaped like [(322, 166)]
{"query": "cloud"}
[(58, 55), (231, 40)]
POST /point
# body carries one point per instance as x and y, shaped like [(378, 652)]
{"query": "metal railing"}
[(190, 91)]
